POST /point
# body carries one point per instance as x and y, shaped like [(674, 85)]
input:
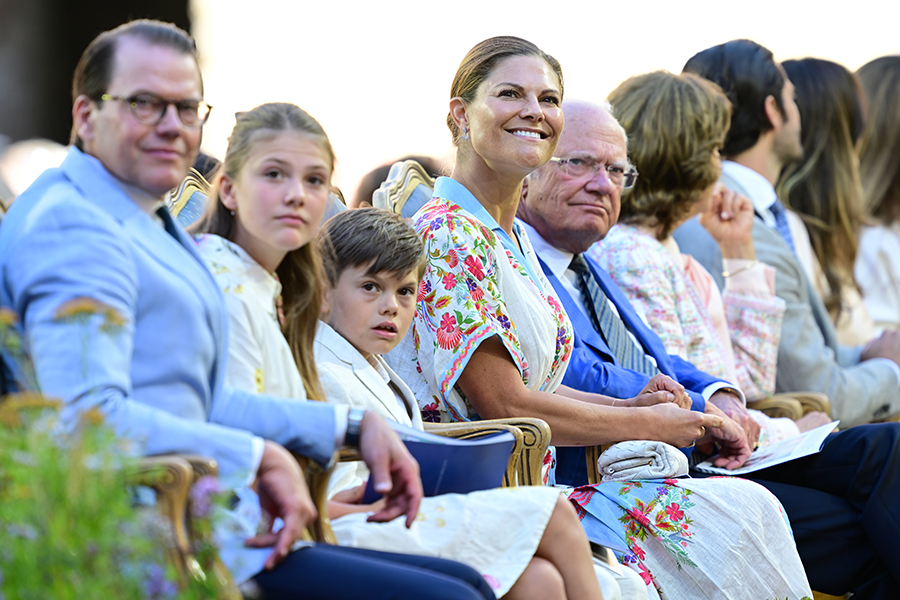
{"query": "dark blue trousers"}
[(844, 507), (334, 573)]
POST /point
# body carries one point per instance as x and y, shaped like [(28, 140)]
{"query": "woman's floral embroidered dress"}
[(476, 287)]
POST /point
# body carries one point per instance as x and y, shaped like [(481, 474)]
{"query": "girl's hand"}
[(352, 495), (729, 221)]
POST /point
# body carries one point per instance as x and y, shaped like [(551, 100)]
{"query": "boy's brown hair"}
[(370, 236)]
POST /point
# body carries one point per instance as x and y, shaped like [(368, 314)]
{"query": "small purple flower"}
[(156, 585), (25, 531), (203, 495), (470, 283), (436, 224), (504, 321), (427, 286), (560, 338)]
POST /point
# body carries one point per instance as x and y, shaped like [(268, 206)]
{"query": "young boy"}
[(373, 264)]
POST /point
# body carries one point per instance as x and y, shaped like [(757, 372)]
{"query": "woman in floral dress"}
[(490, 340)]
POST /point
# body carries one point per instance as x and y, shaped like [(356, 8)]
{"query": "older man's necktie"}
[(608, 323)]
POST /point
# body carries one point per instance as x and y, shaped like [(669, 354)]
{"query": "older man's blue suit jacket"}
[(594, 368)]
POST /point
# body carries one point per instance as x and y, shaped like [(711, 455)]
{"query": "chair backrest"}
[(407, 189), (189, 200), (335, 205)]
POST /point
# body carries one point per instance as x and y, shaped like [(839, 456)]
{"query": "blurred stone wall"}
[(40, 43)]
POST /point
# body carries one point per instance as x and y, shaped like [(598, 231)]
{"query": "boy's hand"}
[(352, 495)]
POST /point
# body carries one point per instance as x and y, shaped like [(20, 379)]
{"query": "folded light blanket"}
[(641, 459)]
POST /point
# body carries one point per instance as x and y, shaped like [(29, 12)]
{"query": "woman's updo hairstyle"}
[(482, 59), (300, 273)]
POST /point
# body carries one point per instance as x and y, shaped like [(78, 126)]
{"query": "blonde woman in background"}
[(878, 260)]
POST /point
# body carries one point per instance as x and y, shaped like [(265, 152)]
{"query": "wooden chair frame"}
[(524, 467)]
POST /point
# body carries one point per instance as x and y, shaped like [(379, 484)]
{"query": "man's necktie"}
[(781, 223), (168, 222), (608, 323)]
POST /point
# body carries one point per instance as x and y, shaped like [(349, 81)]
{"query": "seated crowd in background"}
[(512, 293)]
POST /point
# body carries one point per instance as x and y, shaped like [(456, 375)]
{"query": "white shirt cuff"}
[(341, 412), (257, 446), (712, 388), (894, 367)]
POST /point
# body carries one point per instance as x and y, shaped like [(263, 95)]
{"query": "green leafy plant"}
[(69, 525)]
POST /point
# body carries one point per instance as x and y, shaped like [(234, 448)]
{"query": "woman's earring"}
[(232, 213), (465, 135)]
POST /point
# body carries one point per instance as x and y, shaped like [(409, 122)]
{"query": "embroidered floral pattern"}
[(259, 378), (666, 526), (460, 303)]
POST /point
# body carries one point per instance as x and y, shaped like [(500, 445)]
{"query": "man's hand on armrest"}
[(282, 493), (394, 472)]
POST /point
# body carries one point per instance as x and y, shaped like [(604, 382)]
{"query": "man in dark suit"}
[(862, 382), (839, 501)]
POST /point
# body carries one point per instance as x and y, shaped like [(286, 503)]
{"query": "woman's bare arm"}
[(492, 384)]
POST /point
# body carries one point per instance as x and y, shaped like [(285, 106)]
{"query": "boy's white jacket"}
[(348, 378)]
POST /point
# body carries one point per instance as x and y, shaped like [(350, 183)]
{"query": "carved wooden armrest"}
[(592, 454), (171, 477), (779, 406), (535, 441), (475, 429), (203, 466), (810, 401)]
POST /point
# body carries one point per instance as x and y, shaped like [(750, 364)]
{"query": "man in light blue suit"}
[(840, 501), (120, 314)]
